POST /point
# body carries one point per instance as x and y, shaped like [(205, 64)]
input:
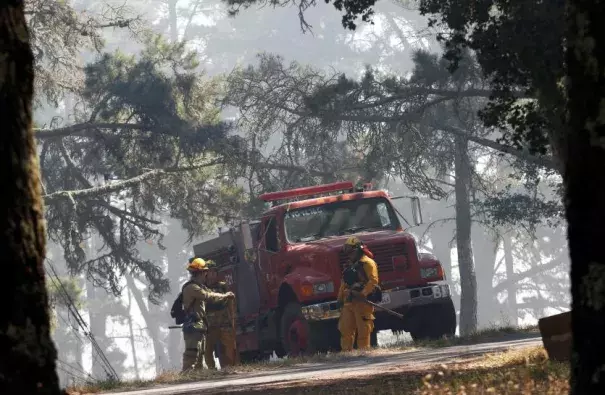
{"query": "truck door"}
[(268, 255)]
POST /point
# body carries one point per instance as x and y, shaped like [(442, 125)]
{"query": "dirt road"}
[(381, 362)]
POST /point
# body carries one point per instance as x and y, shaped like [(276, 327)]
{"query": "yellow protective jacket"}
[(368, 282), (219, 314), (195, 297)]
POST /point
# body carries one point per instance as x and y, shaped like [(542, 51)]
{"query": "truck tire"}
[(434, 322), (325, 336), (294, 331), (300, 337)]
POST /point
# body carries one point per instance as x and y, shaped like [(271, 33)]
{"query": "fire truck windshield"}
[(339, 218)]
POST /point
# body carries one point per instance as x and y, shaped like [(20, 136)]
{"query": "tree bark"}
[(28, 354), (582, 148), (511, 287), (441, 236), (468, 280)]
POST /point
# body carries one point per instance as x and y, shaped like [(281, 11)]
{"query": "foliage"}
[(59, 35), (148, 147), (522, 209), (384, 124), (352, 9), (519, 46), (57, 290)]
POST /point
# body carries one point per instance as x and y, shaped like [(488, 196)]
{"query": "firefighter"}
[(359, 280), (195, 296), (221, 328)]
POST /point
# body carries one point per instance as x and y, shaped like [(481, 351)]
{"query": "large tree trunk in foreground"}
[(583, 155), (27, 353), (466, 265)]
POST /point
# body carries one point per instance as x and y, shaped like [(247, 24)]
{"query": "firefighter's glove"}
[(230, 295)]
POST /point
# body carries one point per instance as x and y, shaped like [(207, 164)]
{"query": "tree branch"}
[(543, 161), (526, 274), (81, 129), (117, 186)]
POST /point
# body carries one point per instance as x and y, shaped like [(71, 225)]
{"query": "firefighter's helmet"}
[(197, 265), (351, 244)]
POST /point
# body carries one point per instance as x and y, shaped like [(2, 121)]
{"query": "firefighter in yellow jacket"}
[(195, 296), (360, 279), (221, 328)]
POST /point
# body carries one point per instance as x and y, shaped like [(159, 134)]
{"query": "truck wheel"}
[(435, 322), (295, 331), (325, 336)]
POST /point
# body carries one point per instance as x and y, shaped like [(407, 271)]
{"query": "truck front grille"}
[(383, 256)]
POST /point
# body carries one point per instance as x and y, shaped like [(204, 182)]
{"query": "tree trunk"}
[(98, 327), (28, 354), (511, 288), (485, 249), (133, 345), (441, 236), (468, 281), (583, 156), (152, 328)]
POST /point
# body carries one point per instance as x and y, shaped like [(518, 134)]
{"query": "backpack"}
[(177, 311)]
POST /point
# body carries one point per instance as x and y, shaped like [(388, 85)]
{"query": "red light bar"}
[(306, 191)]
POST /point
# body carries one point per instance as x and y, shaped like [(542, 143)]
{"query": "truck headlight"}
[(427, 272), (322, 288)]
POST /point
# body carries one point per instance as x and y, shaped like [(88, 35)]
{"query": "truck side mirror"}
[(416, 211), (246, 235)]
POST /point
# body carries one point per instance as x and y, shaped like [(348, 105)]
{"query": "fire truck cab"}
[(285, 269)]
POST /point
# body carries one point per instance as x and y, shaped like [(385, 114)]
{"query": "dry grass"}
[(525, 371), (174, 377), (171, 377), (481, 336)]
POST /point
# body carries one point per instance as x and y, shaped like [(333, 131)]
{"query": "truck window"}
[(383, 212), (271, 235), (339, 218)]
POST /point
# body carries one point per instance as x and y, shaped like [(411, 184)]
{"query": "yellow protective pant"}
[(356, 318), (225, 337), (194, 351)]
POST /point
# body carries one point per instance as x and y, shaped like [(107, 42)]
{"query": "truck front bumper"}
[(394, 299)]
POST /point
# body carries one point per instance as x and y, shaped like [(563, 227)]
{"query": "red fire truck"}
[(285, 269)]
